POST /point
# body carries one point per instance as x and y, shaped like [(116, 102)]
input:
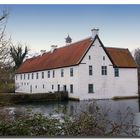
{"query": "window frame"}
[(53, 74), (20, 76), (24, 76), (32, 75), (62, 72), (89, 57), (37, 75), (42, 73), (90, 70), (116, 72), (104, 70), (28, 76), (48, 74), (90, 88), (71, 72), (71, 88)]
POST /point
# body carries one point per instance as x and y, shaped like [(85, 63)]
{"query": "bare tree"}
[(4, 42), (6, 77), (17, 54)]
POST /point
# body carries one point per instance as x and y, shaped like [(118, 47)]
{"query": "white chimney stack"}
[(95, 32), (53, 47)]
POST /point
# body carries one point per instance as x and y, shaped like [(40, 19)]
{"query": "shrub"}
[(83, 124)]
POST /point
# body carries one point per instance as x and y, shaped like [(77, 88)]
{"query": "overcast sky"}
[(40, 26)]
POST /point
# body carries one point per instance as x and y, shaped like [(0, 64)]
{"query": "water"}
[(116, 110), (76, 107)]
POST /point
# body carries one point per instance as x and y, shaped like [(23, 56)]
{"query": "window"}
[(71, 88), (62, 73), (36, 75), (24, 76), (42, 75), (116, 72), (43, 86), (21, 76), (58, 87), (52, 86), (28, 76), (48, 74), (90, 88), (32, 75), (36, 86), (103, 57), (104, 70), (89, 57), (71, 72), (90, 70), (53, 73)]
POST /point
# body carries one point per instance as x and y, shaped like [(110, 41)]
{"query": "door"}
[(58, 88), (65, 88)]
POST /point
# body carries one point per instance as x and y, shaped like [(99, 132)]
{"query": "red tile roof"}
[(66, 56), (71, 55), (121, 57)]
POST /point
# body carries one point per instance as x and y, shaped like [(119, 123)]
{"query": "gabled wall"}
[(105, 86)]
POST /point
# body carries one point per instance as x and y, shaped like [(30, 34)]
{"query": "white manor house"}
[(85, 69)]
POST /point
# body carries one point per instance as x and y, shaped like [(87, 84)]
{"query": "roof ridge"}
[(59, 48), (68, 45), (116, 48), (71, 43)]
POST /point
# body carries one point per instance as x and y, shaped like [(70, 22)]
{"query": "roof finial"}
[(68, 39)]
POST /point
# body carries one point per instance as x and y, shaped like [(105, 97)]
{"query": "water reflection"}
[(73, 107)]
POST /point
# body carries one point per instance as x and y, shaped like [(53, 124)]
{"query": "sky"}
[(40, 26)]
